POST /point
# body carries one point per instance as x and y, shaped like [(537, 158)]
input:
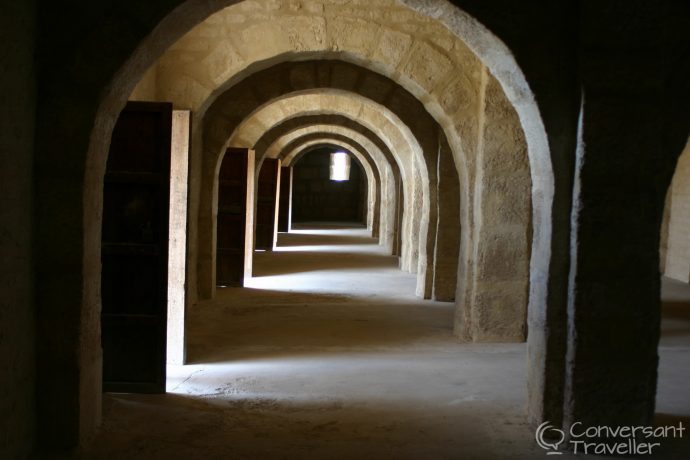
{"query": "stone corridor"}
[(329, 355)]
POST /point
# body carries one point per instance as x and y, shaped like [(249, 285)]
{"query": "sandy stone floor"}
[(329, 355)]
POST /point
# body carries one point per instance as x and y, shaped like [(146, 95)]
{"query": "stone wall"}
[(17, 111), (317, 198)]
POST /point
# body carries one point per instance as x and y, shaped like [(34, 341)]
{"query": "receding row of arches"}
[(429, 137), (261, 114), (480, 187)]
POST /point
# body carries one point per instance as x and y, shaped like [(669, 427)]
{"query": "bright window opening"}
[(340, 166)]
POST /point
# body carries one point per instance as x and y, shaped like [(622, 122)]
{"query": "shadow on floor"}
[(265, 324), (186, 427)]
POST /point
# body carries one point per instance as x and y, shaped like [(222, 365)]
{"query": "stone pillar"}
[(447, 225), (399, 194), (388, 210), (623, 166), (429, 219), (406, 191), (613, 311), (494, 309), (415, 219)]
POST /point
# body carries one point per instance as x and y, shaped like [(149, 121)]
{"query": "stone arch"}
[(269, 138), (362, 160), (79, 165), (293, 123), (394, 196), (392, 182), (248, 94), (373, 170), (302, 146), (421, 65), (370, 167), (334, 103), (354, 107), (453, 106), (373, 148)]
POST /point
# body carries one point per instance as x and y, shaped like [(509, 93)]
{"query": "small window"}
[(340, 166)]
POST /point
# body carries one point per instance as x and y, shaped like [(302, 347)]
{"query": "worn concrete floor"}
[(329, 355)]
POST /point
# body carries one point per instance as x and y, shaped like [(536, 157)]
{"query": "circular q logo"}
[(550, 447)]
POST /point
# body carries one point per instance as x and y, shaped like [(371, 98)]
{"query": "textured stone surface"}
[(494, 304), (384, 36)]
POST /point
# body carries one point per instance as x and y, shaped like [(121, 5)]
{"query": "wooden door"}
[(284, 199), (266, 203), (235, 190), (134, 252)]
